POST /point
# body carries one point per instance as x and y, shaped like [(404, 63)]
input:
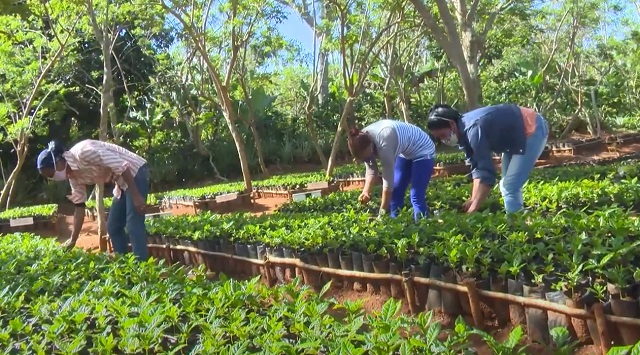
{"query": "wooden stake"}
[(601, 323), (474, 301), (267, 272), (409, 291), (167, 254)]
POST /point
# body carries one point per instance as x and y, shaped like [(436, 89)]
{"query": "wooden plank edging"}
[(523, 301)]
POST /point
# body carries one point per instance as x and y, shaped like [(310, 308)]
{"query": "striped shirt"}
[(393, 139), (95, 162), (413, 143)]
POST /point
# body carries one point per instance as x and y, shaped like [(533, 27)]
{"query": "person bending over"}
[(519, 133), (93, 162), (407, 156)]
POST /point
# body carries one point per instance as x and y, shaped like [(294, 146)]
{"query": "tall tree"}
[(30, 50), (363, 28), (221, 48), (461, 27)]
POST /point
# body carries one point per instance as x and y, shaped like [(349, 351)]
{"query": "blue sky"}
[(294, 29)]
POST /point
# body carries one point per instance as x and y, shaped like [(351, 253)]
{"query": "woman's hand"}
[(364, 197), (139, 203), (69, 244), (467, 205)]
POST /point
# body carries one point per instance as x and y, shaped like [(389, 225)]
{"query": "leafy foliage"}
[(77, 302)]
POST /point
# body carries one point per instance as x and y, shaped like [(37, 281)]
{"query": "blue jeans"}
[(516, 168), (418, 174), (123, 214)]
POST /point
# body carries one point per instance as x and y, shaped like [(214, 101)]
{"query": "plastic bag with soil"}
[(630, 308), (261, 249), (290, 272), (555, 319), (422, 291), (358, 284), (253, 254), (396, 286), (311, 278), (500, 308), (381, 266), (450, 299), (537, 324), (515, 286), (346, 263), (367, 265), (434, 296), (279, 270), (333, 258), (578, 298)]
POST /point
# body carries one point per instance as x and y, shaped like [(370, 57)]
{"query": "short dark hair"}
[(441, 115), (358, 142)]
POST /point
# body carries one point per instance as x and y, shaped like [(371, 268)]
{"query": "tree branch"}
[(554, 46), (428, 19), (234, 44)]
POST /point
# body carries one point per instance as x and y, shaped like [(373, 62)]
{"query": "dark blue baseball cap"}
[(48, 157)]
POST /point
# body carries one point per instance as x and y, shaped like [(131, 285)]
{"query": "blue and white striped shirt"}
[(413, 143), (396, 138)]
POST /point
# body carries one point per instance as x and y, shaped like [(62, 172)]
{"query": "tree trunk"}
[(258, 143), (574, 122), (23, 148), (404, 106), (196, 138), (388, 105), (8, 206), (254, 130), (346, 111), (216, 173), (471, 87), (323, 77), (313, 133), (230, 118), (106, 101), (323, 59)]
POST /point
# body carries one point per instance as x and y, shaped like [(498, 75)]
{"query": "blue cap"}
[(47, 158)]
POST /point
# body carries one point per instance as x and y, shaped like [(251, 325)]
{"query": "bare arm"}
[(78, 197), (386, 200), (131, 183), (480, 193), (483, 173), (387, 151), (78, 221)]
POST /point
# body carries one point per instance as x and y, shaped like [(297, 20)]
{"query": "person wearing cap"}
[(91, 162), (519, 133), (406, 155)]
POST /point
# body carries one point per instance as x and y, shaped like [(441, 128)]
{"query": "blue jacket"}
[(499, 129)]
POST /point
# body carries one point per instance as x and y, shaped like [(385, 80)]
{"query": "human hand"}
[(139, 203), (69, 244), (473, 207), (467, 205), (364, 197)]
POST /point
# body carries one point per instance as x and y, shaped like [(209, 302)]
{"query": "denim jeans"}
[(418, 174), (123, 214), (516, 168)]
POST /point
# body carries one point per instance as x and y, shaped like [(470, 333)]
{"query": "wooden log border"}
[(192, 255)]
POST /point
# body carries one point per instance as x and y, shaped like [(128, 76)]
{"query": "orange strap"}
[(530, 117)]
